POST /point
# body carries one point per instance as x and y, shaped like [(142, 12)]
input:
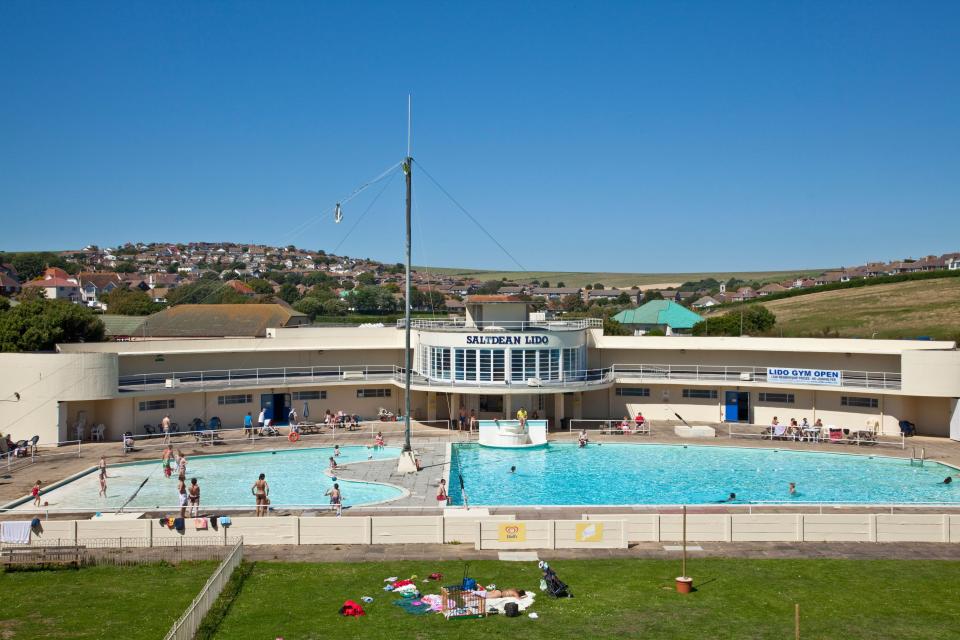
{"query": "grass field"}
[(132, 603), (735, 599), (898, 310), (618, 280)]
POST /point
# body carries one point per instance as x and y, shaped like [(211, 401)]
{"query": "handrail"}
[(513, 325), (244, 378), (185, 628)]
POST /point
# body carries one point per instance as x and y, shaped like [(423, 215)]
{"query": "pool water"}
[(619, 474), (296, 478)]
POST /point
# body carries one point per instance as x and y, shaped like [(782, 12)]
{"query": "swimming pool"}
[(620, 474), (296, 478)]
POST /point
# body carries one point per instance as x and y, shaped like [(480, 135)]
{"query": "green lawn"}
[(98, 602), (742, 599)]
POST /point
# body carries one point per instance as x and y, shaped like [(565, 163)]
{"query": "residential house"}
[(8, 284), (241, 287), (769, 289), (665, 315), (744, 293), (705, 302), (56, 288), (553, 293), (94, 286)]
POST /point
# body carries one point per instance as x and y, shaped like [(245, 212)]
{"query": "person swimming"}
[(793, 488), (948, 480), (729, 498), (513, 469)]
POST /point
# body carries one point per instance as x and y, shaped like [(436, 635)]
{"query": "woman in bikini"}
[(261, 490), (103, 477), (182, 496)]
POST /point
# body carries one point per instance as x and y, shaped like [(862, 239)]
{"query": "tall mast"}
[(408, 359)]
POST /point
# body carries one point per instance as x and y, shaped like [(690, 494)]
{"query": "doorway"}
[(276, 406), (737, 407)]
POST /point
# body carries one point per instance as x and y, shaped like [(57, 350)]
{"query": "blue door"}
[(732, 406)]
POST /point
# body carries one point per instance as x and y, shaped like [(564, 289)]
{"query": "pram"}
[(552, 584)]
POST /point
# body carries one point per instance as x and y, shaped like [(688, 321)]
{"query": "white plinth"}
[(408, 463), (696, 431)]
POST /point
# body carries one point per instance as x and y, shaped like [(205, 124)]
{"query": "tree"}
[(38, 325), (589, 287), (489, 287), (613, 328), (125, 267), (4, 304), (334, 307), (288, 293), (173, 267), (545, 284), (28, 265), (367, 299), (205, 292), (751, 320), (598, 285), (572, 302), (367, 278), (310, 306), (317, 278), (561, 284), (652, 294), (623, 298), (426, 299), (260, 286), (130, 302)]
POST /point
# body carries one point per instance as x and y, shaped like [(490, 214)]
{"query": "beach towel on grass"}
[(499, 603), (17, 532), (416, 607)]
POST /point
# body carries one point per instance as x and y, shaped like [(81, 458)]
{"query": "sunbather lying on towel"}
[(505, 593)]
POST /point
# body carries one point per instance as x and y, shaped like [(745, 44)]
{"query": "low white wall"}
[(615, 530)]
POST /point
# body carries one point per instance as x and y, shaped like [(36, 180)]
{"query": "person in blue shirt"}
[(247, 423)]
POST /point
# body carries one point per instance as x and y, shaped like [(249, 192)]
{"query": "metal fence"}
[(611, 425), (130, 551), (185, 628), (10, 462)]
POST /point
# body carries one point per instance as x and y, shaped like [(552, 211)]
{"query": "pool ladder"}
[(918, 459)]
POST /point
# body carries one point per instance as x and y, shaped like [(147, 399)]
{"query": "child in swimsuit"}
[(335, 498), (35, 492)]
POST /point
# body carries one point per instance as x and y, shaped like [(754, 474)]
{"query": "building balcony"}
[(463, 324), (581, 380)]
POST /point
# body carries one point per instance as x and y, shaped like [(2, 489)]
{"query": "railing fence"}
[(185, 628)]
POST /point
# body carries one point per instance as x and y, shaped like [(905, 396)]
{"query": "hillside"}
[(899, 310), (618, 280)]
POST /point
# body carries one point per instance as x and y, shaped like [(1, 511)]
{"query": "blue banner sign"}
[(819, 377)]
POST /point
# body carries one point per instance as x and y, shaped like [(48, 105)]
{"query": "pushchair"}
[(552, 584)]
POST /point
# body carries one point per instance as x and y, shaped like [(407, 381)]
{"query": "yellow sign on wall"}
[(512, 532), (589, 532)]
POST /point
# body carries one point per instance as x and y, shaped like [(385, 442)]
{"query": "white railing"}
[(611, 425), (828, 434), (185, 628), (461, 324), (273, 376), (221, 378), (11, 462)]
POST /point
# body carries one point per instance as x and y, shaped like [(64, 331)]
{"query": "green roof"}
[(660, 312)]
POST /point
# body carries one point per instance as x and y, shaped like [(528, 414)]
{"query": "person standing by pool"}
[(103, 476), (181, 466), (194, 498), (582, 438), (182, 496), (378, 442), (261, 491), (248, 424), (261, 419), (522, 417), (292, 418), (473, 420), (35, 492), (336, 450), (463, 418), (333, 464), (165, 427), (165, 460), (335, 498)]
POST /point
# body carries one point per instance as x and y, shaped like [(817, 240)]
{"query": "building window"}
[(860, 402), (778, 398), (637, 392), (499, 368), (156, 405), (373, 393), (309, 395), (238, 398), (490, 404), (700, 394)]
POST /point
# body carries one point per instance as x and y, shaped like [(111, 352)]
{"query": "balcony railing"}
[(461, 324), (585, 378)]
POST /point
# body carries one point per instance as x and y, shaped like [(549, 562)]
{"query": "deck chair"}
[(149, 430), (836, 434), (33, 444), (21, 448)]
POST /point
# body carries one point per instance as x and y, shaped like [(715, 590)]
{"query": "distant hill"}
[(618, 280), (898, 310)]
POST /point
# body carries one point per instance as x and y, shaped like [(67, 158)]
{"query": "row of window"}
[(767, 397), (490, 365), (247, 398), (309, 395), (157, 405)]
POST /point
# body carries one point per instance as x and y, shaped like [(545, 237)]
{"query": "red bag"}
[(351, 608)]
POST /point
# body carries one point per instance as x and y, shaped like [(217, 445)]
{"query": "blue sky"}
[(653, 136)]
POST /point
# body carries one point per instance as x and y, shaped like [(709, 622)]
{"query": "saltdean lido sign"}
[(820, 377), (508, 340)]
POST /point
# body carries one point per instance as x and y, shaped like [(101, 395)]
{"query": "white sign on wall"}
[(820, 377)]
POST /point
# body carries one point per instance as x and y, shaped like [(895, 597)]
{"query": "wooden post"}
[(796, 620)]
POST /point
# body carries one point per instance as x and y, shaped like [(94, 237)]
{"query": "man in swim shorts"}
[(335, 498), (193, 496)]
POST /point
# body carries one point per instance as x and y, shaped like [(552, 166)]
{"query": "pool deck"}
[(431, 446)]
